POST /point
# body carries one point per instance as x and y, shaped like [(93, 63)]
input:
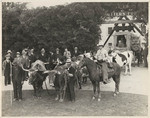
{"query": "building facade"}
[(120, 39)]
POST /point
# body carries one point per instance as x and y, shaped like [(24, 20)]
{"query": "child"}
[(7, 69)]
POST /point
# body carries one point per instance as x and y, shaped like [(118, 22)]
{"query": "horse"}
[(95, 75), (124, 59)]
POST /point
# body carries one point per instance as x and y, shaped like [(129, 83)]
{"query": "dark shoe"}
[(106, 81)]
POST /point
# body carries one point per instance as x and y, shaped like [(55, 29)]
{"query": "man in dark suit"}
[(32, 56), (51, 60), (43, 56), (18, 75), (76, 52), (145, 54), (71, 81)]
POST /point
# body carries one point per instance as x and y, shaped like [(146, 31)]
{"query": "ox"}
[(124, 59), (36, 76), (59, 77)]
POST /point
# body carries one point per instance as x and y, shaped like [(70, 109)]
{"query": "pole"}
[(116, 24)]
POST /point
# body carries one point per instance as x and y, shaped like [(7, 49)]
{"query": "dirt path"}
[(137, 83)]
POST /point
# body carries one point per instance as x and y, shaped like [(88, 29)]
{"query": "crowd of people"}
[(17, 77)]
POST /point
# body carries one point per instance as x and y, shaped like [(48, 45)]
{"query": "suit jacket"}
[(57, 56), (43, 58), (72, 71), (4, 67), (67, 54), (75, 54), (32, 58), (17, 72)]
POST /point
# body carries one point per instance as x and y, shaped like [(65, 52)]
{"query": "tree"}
[(75, 24)]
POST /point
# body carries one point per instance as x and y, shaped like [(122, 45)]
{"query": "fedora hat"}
[(9, 51)]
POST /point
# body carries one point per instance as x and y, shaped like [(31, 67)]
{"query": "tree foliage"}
[(76, 24)]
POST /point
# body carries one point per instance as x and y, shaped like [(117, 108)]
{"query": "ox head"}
[(32, 74)]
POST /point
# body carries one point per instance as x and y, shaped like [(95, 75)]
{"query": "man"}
[(71, 81), (57, 55), (32, 56), (75, 52), (78, 75), (120, 44), (145, 54), (51, 60), (102, 56), (110, 48), (7, 69), (17, 78), (43, 57), (9, 52), (67, 53)]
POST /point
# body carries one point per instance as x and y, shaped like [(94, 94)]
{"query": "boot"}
[(105, 81)]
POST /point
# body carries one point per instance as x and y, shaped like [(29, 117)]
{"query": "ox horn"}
[(50, 71), (25, 69)]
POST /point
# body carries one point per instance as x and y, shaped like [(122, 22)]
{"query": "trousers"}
[(104, 70), (17, 86), (70, 90)]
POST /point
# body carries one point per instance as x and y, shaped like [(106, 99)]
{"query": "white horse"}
[(124, 59)]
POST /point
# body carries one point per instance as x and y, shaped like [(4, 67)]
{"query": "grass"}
[(122, 105)]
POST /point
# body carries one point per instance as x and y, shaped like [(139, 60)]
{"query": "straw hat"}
[(7, 55), (9, 51), (68, 61)]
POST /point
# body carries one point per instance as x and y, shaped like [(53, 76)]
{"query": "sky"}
[(47, 3)]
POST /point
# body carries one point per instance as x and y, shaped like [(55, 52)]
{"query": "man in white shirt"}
[(102, 57)]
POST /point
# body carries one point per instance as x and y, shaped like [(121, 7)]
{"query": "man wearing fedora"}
[(102, 56), (9, 52), (16, 78), (43, 56), (7, 69), (71, 81)]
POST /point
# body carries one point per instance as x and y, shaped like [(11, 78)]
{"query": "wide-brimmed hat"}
[(7, 55), (9, 51), (75, 47), (68, 61), (17, 53), (42, 50)]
